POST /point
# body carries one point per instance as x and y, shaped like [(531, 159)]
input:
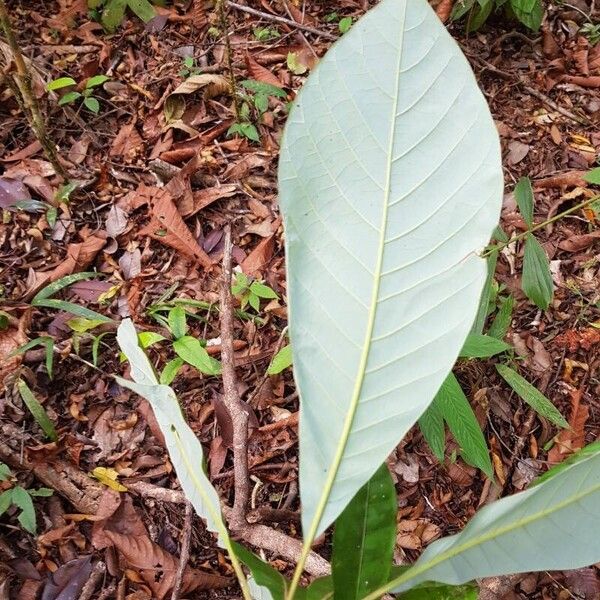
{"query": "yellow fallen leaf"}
[(108, 477)]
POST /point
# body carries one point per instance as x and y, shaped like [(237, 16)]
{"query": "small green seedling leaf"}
[(60, 83), (532, 396), (37, 410), (259, 87), (5, 472), (177, 322), (69, 98), (524, 198), (537, 278), (95, 81), (281, 361), (294, 65), (501, 323), (345, 24), (262, 291), (92, 104), (593, 176), (149, 338), (170, 371), (83, 325), (482, 346), (22, 500), (192, 352)]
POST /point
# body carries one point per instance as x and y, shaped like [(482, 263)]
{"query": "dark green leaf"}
[(37, 410), (501, 323), (482, 346), (529, 12), (170, 371), (263, 573), (479, 16), (454, 406), (92, 104), (524, 197), (532, 396), (442, 592), (74, 309), (364, 538), (192, 352), (484, 303), (432, 427), (537, 279), (143, 9), (113, 14)]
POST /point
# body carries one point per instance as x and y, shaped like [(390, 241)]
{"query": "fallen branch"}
[(184, 554), (281, 20), (231, 398)]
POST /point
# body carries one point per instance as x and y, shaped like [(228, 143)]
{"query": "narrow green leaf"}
[(177, 322), (281, 361), (191, 350), (41, 493), (96, 347), (432, 427), (524, 197), (37, 410), (585, 452), (443, 592), (501, 323), (484, 304), (70, 307), (364, 538), (43, 340), (60, 83), (531, 395), (170, 371), (482, 346), (454, 406), (537, 279), (22, 499), (259, 87), (61, 283)]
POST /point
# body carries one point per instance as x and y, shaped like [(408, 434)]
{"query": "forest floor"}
[(544, 93)]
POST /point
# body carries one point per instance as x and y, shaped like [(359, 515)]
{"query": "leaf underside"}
[(390, 180)]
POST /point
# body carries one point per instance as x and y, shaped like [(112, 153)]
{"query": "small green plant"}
[(592, 32), (20, 498), (266, 34), (254, 103), (111, 13), (249, 291), (189, 68), (476, 12), (345, 24), (89, 100)]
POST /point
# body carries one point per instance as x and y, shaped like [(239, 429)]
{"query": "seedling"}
[(250, 292), (20, 498), (111, 13), (70, 97), (254, 103), (266, 34), (592, 32), (189, 67), (476, 12)]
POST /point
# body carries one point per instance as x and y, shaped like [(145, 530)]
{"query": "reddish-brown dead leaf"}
[(167, 226), (128, 140), (10, 339), (577, 243), (79, 256), (571, 440), (444, 9), (573, 339), (260, 73), (259, 258)]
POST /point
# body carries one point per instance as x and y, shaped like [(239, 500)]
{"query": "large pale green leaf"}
[(184, 448), (390, 182), (550, 527), (364, 538)]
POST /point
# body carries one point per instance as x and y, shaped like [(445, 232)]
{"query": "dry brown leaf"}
[(579, 242), (259, 258), (260, 73), (158, 568), (10, 339), (571, 440), (26, 152), (444, 9), (167, 226), (202, 198), (127, 141), (79, 256), (214, 84)]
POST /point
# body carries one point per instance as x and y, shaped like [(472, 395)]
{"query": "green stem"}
[(516, 238)]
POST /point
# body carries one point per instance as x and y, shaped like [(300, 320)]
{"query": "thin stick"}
[(23, 79), (282, 20), (516, 238), (224, 23), (231, 399), (184, 555)]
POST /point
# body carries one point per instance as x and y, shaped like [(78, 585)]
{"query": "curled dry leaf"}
[(573, 439), (213, 85), (68, 580), (79, 256)]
